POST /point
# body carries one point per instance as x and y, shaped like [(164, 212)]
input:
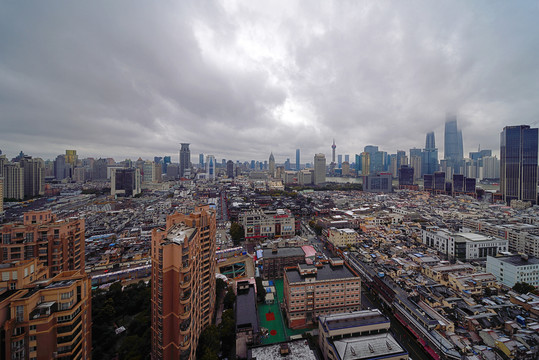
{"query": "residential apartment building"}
[(472, 284), (268, 224), (275, 260), (515, 268), (342, 237), (48, 318), (57, 244), (463, 246), (311, 291), (358, 335), (183, 283)]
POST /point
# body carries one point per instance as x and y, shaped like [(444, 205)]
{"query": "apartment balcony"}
[(185, 315), (186, 297), (186, 345), (186, 282), (185, 327), (186, 267)]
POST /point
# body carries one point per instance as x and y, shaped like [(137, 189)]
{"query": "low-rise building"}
[(342, 237), (358, 335), (268, 224), (515, 268), (311, 291), (275, 260)]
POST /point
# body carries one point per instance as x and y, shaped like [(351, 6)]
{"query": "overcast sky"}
[(238, 80)]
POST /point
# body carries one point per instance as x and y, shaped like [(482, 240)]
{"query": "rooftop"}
[(353, 319), (298, 350), (368, 347), (517, 260), (283, 252), (323, 273), (247, 317)]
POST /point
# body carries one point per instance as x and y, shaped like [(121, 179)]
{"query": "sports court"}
[(270, 317)]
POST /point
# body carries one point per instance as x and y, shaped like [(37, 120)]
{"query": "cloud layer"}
[(241, 79)]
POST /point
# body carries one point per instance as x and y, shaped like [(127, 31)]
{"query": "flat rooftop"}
[(326, 272), (247, 317), (475, 237), (353, 319), (368, 347), (298, 350), (517, 260), (283, 252)]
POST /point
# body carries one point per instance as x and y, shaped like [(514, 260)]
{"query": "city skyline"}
[(237, 78)]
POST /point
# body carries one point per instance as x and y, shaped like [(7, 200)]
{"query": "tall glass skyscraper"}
[(298, 163), (518, 163), (429, 163), (453, 149), (185, 158)]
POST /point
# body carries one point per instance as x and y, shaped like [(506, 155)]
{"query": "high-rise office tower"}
[(34, 178), (491, 167), (272, 165), (518, 163), (453, 149), (201, 161), (379, 162), (210, 167), (1, 194), (298, 160), (71, 157), (319, 169), (185, 159), (230, 169), (401, 158), (60, 167), (347, 158), (125, 182), (429, 163), (406, 175), (358, 163), (339, 161), (365, 163), (183, 283)]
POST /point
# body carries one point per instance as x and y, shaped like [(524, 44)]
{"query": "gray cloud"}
[(238, 80)]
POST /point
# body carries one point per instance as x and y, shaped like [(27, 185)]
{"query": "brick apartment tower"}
[(45, 295), (57, 244), (183, 283)]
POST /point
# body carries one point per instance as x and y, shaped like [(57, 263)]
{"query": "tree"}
[(236, 233), (230, 299), (208, 343)]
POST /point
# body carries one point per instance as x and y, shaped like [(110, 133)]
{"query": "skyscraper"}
[(210, 167), (333, 147), (201, 161), (518, 163), (453, 149), (230, 169), (183, 283), (319, 169), (272, 165), (34, 177), (298, 160), (185, 159), (365, 163), (124, 182), (429, 162)]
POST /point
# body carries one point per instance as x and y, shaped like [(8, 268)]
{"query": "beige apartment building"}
[(342, 237), (311, 291), (183, 283)]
